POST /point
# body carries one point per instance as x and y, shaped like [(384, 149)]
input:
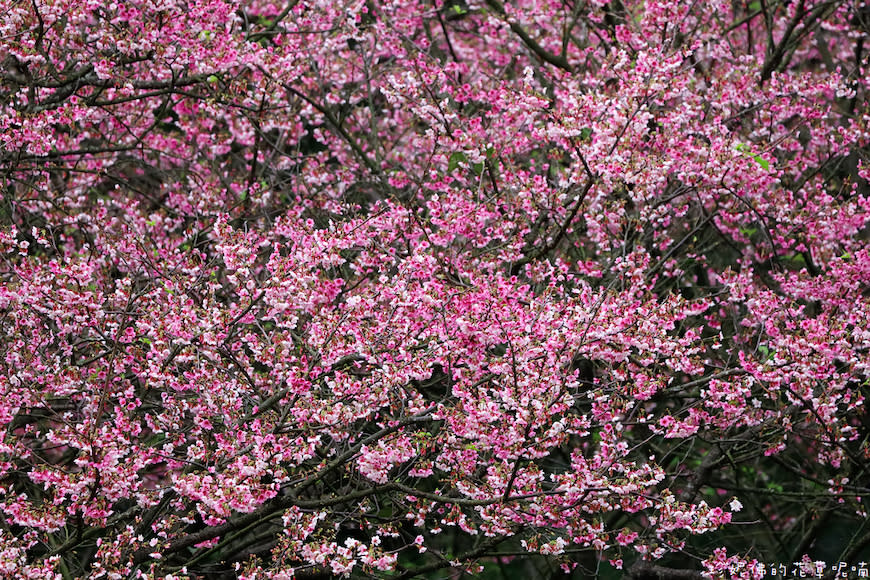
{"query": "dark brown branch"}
[(268, 511), (563, 228), (643, 570), (545, 55)]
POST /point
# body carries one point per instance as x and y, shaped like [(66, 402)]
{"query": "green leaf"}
[(744, 148), (212, 79), (765, 352), (585, 133), (797, 259), (155, 439), (477, 168), (455, 159)]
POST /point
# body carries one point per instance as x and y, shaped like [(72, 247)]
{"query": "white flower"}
[(735, 505)]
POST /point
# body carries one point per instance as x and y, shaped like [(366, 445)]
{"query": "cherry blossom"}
[(377, 288)]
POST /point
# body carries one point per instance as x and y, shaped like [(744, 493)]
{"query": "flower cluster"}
[(375, 287)]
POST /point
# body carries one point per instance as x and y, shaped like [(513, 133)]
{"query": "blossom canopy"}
[(381, 288)]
